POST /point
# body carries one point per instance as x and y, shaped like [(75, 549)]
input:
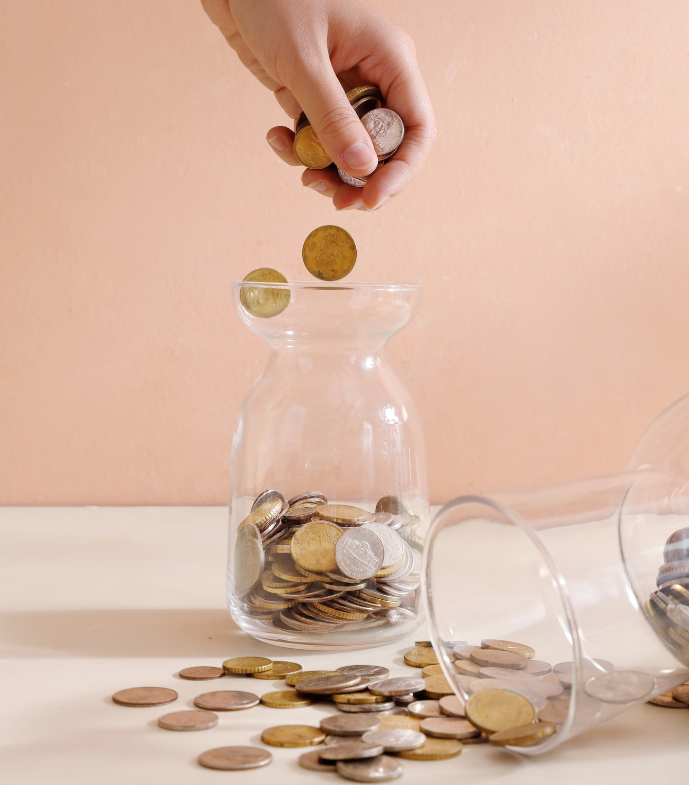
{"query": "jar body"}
[(330, 421)]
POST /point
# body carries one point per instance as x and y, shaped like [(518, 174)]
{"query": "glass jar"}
[(329, 488), (592, 575)]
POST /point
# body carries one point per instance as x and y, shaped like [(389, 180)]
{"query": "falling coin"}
[(235, 758), (145, 696), (329, 253), (188, 720), (381, 769), (201, 673), (293, 736), (226, 700), (262, 301), (523, 735)]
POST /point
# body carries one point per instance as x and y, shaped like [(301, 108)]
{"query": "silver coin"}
[(400, 686), (377, 770), (338, 577), (372, 671), (386, 518), (679, 614), (248, 559), (266, 496), (537, 667), (396, 739), (351, 750), (311, 760), (675, 570), (463, 651), (424, 709), (404, 700), (677, 546), (452, 706), (386, 130), (399, 615), (393, 544), (403, 571), (328, 685), (620, 686), (359, 552), (362, 708), (344, 586), (594, 665), (349, 725)]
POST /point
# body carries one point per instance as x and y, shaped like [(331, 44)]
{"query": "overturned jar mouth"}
[(335, 285)]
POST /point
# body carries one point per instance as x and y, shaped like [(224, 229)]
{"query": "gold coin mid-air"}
[(261, 300), (329, 253)]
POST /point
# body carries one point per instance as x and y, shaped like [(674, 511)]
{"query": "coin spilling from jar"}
[(310, 566), (384, 126)]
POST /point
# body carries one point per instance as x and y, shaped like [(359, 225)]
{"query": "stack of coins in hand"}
[(384, 126), (668, 607), (311, 566)]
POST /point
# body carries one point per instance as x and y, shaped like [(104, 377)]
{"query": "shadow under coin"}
[(189, 632)]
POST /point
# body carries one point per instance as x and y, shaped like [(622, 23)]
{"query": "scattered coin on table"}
[(380, 769), (519, 648), (226, 700), (201, 673), (395, 739), (523, 735), (235, 758), (399, 686), (367, 708), (448, 728), (434, 749), (424, 709), (293, 736), (285, 699), (349, 725), (351, 750), (294, 678), (145, 696), (495, 710), (244, 665), (420, 657), (278, 670), (452, 706), (312, 761), (188, 720)]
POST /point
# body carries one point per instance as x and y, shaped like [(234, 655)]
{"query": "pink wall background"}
[(550, 229)]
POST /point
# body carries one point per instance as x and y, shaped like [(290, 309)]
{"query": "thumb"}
[(337, 125)]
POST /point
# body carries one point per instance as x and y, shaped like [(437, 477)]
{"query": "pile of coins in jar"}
[(378, 722), (310, 566), (668, 607), (384, 126)]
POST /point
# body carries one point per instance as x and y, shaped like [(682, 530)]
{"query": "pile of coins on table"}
[(668, 607), (308, 565), (516, 701), (329, 253), (384, 126)]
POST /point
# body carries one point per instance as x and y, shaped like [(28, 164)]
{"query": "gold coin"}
[(681, 693), (495, 710), (359, 697), (437, 687), (342, 513), (294, 678), (432, 670), (357, 93), (309, 150), (284, 568), (338, 613), (665, 700), (408, 723), (310, 576), (488, 658), (247, 665), (263, 513), (519, 648), (424, 644), (329, 253), (434, 749), (285, 699), (313, 546), (293, 736), (420, 657), (263, 301), (280, 669), (523, 735)]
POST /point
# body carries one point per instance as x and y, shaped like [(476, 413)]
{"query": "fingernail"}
[(359, 156), (318, 185), (380, 204), (277, 143), (354, 206)]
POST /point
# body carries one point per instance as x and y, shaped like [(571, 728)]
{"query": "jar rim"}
[(335, 285)]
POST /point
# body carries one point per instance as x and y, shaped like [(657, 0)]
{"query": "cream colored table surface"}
[(98, 599)]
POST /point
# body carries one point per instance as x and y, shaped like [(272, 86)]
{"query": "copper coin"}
[(386, 130), (452, 706), (235, 758), (226, 700), (448, 728), (424, 709), (145, 696), (188, 720), (681, 693), (666, 700), (328, 685), (350, 724), (312, 761), (488, 658), (201, 673)]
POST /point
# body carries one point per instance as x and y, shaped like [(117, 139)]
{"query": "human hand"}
[(309, 52)]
